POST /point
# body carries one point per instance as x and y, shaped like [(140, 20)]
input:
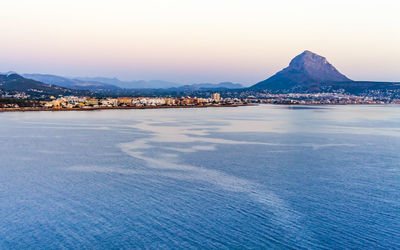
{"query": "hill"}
[(12, 82)]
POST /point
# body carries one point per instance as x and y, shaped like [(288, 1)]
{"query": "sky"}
[(191, 41)]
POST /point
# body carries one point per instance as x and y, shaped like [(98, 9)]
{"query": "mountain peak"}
[(308, 53), (305, 70), (310, 61), (9, 73)]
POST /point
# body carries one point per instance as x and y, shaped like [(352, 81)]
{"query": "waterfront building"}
[(216, 97), (125, 101)]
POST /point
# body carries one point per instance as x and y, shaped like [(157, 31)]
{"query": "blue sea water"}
[(323, 177)]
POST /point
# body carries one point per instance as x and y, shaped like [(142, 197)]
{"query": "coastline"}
[(29, 109), (119, 108)]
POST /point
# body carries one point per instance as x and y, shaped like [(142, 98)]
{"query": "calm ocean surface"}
[(324, 177)]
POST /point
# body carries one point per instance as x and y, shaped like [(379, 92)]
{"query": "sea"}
[(253, 177)]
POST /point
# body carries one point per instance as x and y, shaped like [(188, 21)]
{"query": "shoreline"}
[(118, 108), (172, 107)]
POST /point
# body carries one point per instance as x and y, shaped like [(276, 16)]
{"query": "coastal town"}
[(322, 98), (88, 103), (23, 103)]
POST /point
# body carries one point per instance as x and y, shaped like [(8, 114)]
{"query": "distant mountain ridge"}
[(71, 83), (109, 84), (138, 84), (209, 86), (305, 72)]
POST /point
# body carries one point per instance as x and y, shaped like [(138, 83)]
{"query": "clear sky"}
[(198, 40)]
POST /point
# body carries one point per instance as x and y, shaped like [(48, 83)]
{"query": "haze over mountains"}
[(205, 86), (306, 73), (70, 83), (103, 83), (138, 84)]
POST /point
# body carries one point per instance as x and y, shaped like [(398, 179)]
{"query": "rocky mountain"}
[(72, 83), (306, 71), (13, 82)]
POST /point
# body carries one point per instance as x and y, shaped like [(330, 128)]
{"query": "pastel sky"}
[(190, 41)]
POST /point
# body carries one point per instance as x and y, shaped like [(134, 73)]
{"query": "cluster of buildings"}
[(80, 102), (9, 105), (90, 102)]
